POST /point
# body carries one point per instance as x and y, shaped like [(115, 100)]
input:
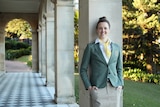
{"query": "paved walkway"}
[(16, 66), (23, 89), (19, 87)]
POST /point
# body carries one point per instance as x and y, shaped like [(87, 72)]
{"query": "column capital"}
[(53, 1), (69, 3), (34, 31), (49, 16)]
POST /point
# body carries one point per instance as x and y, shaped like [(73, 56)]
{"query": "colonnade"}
[(56, 44)]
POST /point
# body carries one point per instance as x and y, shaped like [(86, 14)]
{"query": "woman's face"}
[(102, 30)]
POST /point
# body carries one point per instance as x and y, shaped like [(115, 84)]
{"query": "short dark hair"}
[(103, 19)]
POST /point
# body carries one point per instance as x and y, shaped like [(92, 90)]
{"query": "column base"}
[(64, 100), (2, 73), (67, 105), (50, 84)]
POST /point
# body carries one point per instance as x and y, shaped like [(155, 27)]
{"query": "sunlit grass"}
[(136, 94), (23, 58)]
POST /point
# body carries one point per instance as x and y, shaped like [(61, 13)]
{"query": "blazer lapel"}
[(113, 53), (99, 52)]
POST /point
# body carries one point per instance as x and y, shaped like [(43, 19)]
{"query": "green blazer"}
[(100, 69)]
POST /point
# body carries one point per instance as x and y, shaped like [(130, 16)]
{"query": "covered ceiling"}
[(19, 6)]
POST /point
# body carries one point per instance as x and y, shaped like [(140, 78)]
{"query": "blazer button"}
[(109, 73)]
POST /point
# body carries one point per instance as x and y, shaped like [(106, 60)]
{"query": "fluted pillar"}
[(39, 48), (50, 49), (34, 51), (43, 51), (2, 53), (64, 46)]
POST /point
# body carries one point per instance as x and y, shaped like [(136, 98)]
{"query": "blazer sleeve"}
[(120, 68), (84, 67)]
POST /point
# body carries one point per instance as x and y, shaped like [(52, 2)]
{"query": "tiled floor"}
[(24, 89)]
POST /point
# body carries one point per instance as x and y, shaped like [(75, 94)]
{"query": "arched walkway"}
[(22, 88)]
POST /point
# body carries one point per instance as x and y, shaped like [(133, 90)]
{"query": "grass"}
[(136, 94), (26, 59), (77, 86), (23, 58)]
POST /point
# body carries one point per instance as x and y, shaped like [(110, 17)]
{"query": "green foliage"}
[(76, 33), (141, 76), (12, 54), (18, 28), (29, 62), (15, 49), (76, 26), (12, 44), (141, 23), (134, 64)]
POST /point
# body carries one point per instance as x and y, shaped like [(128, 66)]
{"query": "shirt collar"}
[(98, 41)]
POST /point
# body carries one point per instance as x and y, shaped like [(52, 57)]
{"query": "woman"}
[(104, 58)]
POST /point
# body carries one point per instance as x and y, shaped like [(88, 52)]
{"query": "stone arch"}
[(32, 19), (22, 37)]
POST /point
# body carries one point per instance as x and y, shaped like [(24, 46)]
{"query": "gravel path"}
[(16, 66)]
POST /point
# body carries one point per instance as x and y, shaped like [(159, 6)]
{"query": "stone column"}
[(64, 46), (2, 53), (87, 29), (40, 48), (43, 55), (34, 51), (50, 41)]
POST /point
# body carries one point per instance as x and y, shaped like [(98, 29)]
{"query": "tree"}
[(141, 23), (76, 33), (18, 28), (76, 25)]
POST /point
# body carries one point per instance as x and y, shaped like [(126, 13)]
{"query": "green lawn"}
[(23, 58), (136, 94)]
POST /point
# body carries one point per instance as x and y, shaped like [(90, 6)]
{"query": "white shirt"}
[(102, 48)]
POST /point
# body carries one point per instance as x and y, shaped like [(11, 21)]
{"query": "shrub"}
[(12, 54), (29, 62), (14, 45), (139, 75)]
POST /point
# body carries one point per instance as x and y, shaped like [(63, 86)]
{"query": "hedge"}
[(12, 54), (139, 75)]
